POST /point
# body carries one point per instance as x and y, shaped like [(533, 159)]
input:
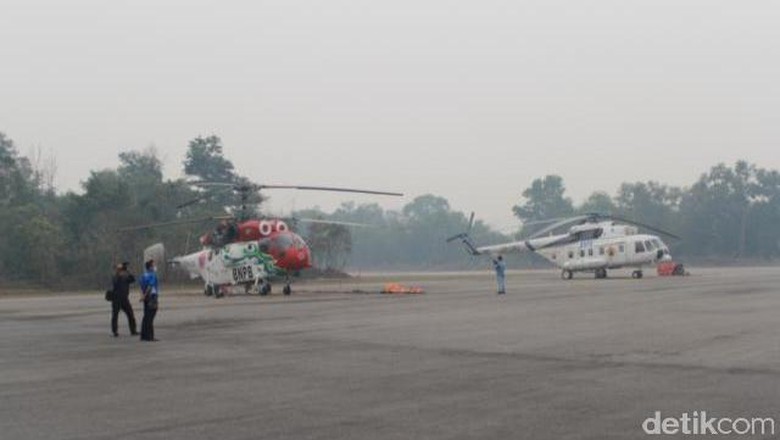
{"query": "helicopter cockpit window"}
[(283, 241), (657, 243), (639, 247), (649, 245)]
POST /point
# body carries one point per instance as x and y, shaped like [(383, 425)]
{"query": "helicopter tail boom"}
[(465, 238)]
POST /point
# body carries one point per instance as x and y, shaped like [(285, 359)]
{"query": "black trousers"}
[(123, 304), (147, 324)]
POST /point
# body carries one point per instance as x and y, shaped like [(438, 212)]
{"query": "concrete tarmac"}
[(551, 359)]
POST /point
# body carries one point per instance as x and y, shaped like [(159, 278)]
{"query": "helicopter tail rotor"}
[(465, 237), (155, 252)]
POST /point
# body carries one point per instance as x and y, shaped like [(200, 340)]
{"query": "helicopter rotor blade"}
[(332, 222), (545, 221), (202, 198), (643, 225), (328, 188), (174, 223), (594, 216), (207, 183), (237, 186), (558, 224)]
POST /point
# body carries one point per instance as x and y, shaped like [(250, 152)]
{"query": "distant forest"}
[(56, 240)]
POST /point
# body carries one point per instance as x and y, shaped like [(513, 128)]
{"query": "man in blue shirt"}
[(500, 268), (150, 291)]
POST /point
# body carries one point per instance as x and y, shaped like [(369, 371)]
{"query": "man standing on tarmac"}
[(150, 290), (500, 268), (121, 301)]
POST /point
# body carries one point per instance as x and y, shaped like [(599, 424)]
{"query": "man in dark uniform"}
[(121, 301)]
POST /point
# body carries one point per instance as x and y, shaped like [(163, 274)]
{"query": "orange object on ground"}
[(670, 268), (399, 288)]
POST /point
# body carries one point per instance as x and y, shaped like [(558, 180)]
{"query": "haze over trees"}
[(71, 239)]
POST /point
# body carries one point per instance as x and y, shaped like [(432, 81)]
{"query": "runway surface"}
[(551, 359)]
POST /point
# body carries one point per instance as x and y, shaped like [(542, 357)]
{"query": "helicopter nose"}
[(304, 257), (664, 255), (292, 252), (298, 258)]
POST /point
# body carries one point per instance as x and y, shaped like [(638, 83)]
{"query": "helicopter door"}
[(616, 254), (636, 251)]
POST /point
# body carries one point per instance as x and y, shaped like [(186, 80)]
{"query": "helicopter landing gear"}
[(566, 274), (287, 289), (255, 287), (637, 274), (601, 273), (212, 290)]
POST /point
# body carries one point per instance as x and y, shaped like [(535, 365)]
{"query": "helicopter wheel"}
[(567, 274), (287, 290), (209, 290), (637, 274), (601, 273)]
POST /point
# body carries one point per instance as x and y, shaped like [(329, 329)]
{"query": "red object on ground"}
[(670, 268)]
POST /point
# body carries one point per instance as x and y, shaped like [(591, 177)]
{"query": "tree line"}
[(71, 239)]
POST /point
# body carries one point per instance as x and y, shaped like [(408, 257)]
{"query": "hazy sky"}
[(466, 99)]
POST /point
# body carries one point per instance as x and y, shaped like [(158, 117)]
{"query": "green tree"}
[(598, 202), (544, 199), (17, 184), (39, 248), (141, 166), (19, 199), (651, 203), (206, 161), (716, 211), (330, 245)]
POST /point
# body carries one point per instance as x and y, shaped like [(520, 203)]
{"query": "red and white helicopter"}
[(243, 251)]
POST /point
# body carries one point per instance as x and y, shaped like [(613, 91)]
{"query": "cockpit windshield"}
[(283, 241)]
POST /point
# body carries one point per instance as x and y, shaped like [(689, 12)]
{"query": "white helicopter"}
[(594, 243)]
